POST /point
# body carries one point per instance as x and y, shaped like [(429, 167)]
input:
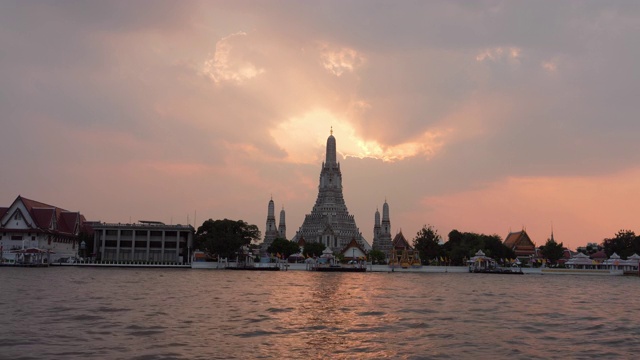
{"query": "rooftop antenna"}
[(194, 218)]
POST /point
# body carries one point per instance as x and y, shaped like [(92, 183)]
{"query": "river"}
[(96, 313)]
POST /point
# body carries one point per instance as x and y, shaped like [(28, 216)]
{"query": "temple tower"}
[(271, 232), (329, 221), (282, 228), (382, 231), (376, 227)]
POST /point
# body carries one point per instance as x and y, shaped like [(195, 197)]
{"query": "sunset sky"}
[(482, 116)]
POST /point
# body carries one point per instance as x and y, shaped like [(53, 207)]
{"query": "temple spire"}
[(331, 149)]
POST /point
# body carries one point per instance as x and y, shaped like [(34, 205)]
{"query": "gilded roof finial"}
[(331, 130)]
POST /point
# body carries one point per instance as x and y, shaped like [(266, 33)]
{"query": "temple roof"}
[(517, 239), (352, 244), (48, 217), (399, 242)]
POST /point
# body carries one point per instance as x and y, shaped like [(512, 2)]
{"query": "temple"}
[(271, 232), (382, 231), (521, 244), (329, 222), (402, 254)]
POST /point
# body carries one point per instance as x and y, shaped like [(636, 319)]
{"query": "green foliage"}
[(377, 257), (625, 244), (225, 237), (283, 247), (427, 242), (312, 249), (463, 246), (552, 251)]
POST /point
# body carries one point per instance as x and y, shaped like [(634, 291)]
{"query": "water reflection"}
[(183, 314)]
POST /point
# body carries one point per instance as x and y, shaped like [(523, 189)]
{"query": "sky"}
[(483, 116)]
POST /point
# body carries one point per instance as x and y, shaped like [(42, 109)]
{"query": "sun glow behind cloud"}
[(302, 137)]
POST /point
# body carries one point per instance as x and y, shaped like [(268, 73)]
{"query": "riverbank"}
[(306, 267)]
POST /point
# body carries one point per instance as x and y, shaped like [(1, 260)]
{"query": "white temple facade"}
[(329, 221)]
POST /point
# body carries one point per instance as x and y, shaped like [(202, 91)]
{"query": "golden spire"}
[(331, 130)]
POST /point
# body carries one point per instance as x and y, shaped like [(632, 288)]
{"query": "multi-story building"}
[(143, 241)]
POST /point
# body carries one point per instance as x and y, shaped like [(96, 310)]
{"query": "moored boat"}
[(339, 268), (483, 264)]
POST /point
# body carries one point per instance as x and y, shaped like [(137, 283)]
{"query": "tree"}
[(462, 246), (377, 256), (283, 247), (312, 249), (625, 244), (225, 237), (427, 242), (552, 251)]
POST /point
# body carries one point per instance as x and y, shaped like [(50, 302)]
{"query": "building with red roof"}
[(32, 224), (521, 244), (354, 251)]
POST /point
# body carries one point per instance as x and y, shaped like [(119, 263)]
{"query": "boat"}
[(253, 268), (498, 270), (328, 263), (249, 264), (338, 268), (482, 264)]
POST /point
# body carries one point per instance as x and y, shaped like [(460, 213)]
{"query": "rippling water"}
[(66, 313)]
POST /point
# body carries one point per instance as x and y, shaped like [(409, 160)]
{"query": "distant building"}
[(521, 244), (30, 224), (403, 254), (329, 222), (143, 241), (353, 251), (382, 231), (271, 232)]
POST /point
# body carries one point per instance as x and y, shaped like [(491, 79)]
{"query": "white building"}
[(42, 228), (147, 241)]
